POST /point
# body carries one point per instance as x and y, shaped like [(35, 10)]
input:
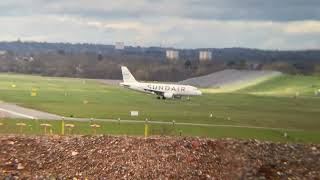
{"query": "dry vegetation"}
[(138, 158)]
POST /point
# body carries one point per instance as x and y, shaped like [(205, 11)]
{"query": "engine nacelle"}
[(168, 95)]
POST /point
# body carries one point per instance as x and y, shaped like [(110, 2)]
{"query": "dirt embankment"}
[(112, 157), (230, 77)]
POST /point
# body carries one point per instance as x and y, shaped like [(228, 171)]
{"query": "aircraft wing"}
[(161, 93)]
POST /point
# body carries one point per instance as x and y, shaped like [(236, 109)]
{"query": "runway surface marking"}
[(17, 114)]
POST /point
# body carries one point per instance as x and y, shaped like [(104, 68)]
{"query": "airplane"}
[(163, 91)]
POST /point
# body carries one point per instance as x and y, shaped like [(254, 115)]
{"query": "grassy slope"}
[(286, 85), (239, 85), (65, 96)]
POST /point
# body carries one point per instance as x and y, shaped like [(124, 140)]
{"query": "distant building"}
[(205, 55), (119, 45), (3, 53), (24, 58), (172, 55)]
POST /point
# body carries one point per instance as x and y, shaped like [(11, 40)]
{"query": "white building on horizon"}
[(205, 55), (2, 53), (172, 54), (119, 46)]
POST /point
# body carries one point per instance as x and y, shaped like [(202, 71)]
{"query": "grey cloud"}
[(271, 10), (179, 23)]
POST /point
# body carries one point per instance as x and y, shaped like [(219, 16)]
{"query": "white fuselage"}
[(174, 89), (162, 90)]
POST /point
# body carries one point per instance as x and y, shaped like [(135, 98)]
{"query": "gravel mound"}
[(228, 77), (110, 157)]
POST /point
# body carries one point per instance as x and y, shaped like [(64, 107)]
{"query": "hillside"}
[(231, 79), (93, 157), (287, 85), (219, 54), (100, 61)]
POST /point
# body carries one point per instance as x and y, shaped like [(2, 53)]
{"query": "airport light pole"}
[(146, 128), (21, 125), (45, 126), (94, 128), (62, 126)]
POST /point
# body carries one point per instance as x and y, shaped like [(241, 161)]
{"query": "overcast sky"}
[(264, 24)]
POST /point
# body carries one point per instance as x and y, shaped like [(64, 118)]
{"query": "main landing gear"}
[(161, 97)]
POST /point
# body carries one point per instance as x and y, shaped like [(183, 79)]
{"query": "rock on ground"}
[(111, 157)]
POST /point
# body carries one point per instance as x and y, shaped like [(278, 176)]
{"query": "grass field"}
[(88, 98), (132, 129), (286, 85)]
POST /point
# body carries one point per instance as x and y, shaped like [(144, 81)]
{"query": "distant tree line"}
[(102, 61), (222, 55), (91, 65)]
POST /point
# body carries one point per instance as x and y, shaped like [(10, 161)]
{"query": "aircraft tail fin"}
[(127, 76)]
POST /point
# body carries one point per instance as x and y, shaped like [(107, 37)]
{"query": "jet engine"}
[(168, 95)]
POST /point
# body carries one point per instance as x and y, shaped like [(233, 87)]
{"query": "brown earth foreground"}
[(110, 157)]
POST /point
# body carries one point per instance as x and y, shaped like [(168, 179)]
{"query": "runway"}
[(8, 110)]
